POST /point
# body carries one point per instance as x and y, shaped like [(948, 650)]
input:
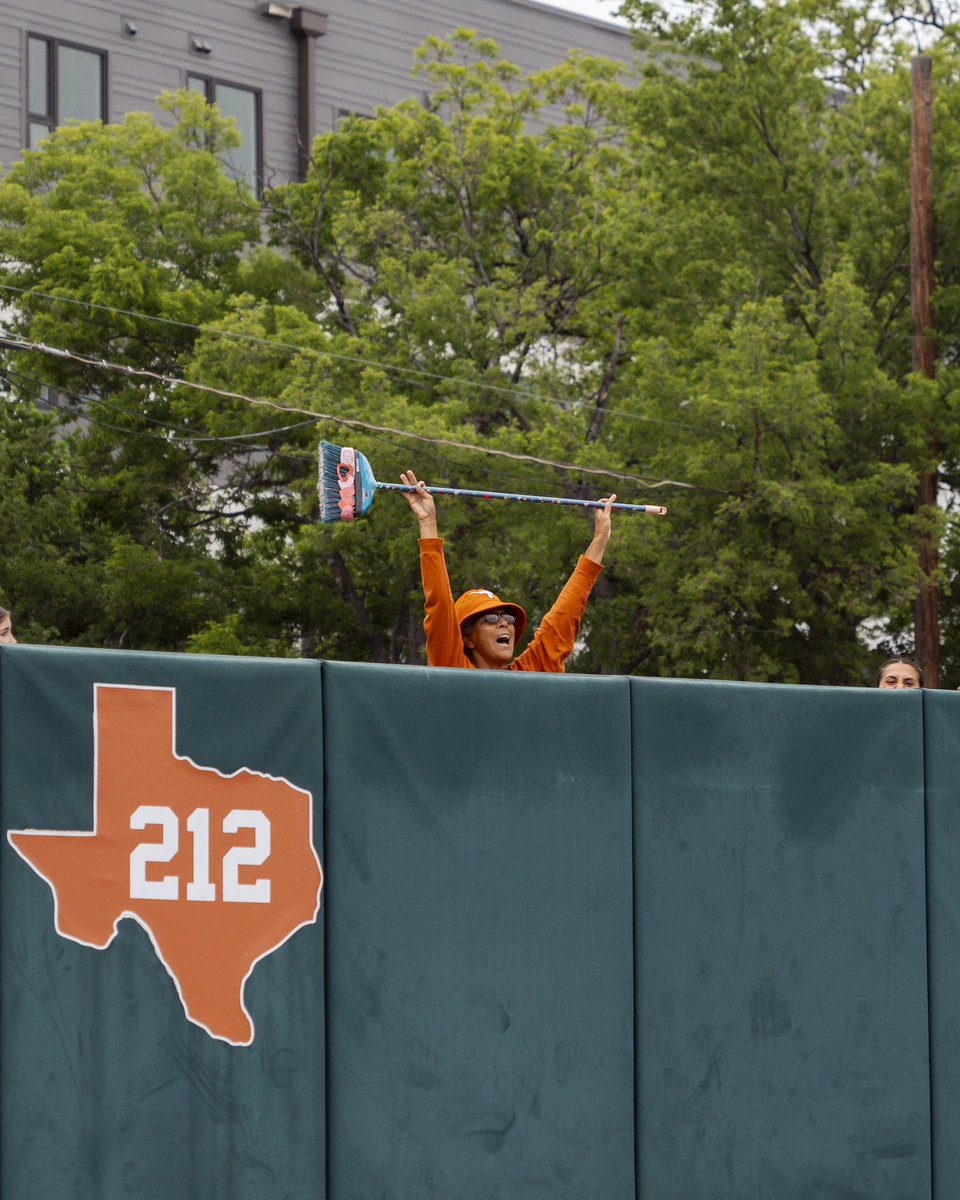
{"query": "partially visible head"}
[(6, 628), (901, 671), (490, 627)]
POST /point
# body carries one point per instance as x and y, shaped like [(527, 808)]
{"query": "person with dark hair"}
[(480, 630), (6, 628), (900, 671)]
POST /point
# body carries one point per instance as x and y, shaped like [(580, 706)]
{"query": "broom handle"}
[(656, 509)]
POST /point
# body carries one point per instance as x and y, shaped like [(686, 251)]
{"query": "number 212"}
[(200, 886)]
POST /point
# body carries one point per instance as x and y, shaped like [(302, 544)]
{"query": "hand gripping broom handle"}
[(655, 509)]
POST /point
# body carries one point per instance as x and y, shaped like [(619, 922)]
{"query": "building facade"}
[(285, 72)]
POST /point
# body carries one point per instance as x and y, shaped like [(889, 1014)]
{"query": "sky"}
[(601, 9)]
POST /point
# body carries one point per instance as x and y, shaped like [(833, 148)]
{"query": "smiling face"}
[(489, 646), (898, 675)]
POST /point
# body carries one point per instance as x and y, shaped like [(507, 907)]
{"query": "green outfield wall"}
[(585, 938)]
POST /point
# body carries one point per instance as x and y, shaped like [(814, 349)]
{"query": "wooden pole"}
[(926, 614)]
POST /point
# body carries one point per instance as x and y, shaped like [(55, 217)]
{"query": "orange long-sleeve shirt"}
[(552, 641)]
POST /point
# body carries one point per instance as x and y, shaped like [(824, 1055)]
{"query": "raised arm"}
[(422, 503), (444, 643), (557, 633), (602, 528)]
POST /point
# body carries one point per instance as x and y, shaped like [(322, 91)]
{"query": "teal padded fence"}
[(584, 938), (479, 917), (782, 1037), (106, 1090)]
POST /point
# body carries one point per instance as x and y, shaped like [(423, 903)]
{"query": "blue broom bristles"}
[(346, 483)]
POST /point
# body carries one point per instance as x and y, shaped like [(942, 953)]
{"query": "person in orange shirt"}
[(482, 631)]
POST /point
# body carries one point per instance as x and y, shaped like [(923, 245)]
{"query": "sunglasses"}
[(493, 618)]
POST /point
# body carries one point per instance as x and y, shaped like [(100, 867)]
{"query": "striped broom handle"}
[(655, 509)]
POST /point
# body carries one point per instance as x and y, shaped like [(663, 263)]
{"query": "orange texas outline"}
[(219, 869)]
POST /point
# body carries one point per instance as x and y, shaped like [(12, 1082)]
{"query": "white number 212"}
[(200, 887)]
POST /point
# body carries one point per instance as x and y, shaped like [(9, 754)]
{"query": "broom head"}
[(346, 483)]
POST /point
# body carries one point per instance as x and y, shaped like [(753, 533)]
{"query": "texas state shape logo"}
[(220, 870)]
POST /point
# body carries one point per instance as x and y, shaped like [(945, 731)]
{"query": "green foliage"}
[(695, 280), (50, 557), (229, 637)]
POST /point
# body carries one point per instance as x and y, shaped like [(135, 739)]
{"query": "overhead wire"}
[(10, 343), (515, 393), (178, 434), (188, 436), (85, 417), (125, 430)]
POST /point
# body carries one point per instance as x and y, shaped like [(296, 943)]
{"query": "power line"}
[(514, 393), (179, 435), (188, 436), (82, 416), (283, 456), (10, 343)]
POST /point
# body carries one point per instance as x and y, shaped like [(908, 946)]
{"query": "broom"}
[(347, 487)]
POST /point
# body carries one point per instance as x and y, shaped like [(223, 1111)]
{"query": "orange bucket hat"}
[(481, 600)]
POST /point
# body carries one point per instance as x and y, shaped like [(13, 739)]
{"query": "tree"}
[(463, 263), (116, 242), (780, 136), (689, 288), (51, 559)]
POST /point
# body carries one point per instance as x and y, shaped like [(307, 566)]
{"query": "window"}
[(64, 82), (243, 104)]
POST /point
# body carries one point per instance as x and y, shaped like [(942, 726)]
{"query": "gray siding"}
[(10, 99), (363, 61)]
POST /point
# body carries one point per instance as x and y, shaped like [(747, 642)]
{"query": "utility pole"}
[(926, 614)]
